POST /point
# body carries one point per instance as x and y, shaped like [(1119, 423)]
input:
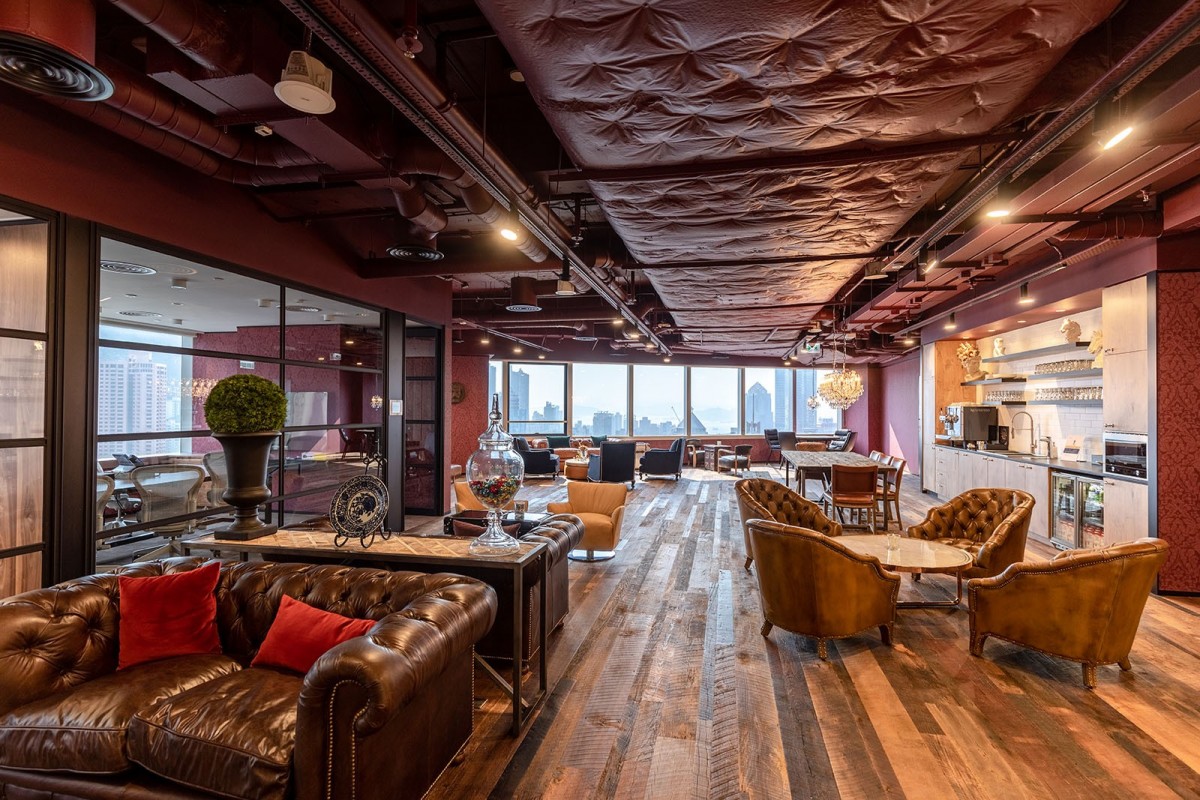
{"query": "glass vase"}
[(494, 474)]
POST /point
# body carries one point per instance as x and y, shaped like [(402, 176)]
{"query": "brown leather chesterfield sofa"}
[(378, 716), (759, 498), (1083, 605), (990, 524)]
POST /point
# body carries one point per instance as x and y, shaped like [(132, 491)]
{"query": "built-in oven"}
[(1125, 454)]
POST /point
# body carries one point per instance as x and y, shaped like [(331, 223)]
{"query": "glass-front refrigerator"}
[(1078, 511)]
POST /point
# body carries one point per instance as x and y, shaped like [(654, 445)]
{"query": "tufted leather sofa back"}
[(763, 499), (56, 638)]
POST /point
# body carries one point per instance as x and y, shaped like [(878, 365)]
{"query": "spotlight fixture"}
[(516, 348), (306, 84), (619, 321), (1025, 298), (179, 283), (951, 322), (564, 287), (931, 260), (542, 356), (650, 348), (266, 302), (508, 233), (874, 271), (909, 341), (667, 360), (1109, 125), (485, 339), (1000, 205)]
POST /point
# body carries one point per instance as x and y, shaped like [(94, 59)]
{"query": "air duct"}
[(195, 28), (50, 48), (1127, 226), (524, 295)]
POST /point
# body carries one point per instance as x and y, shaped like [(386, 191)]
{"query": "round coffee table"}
[(916, 556), (575, 469)]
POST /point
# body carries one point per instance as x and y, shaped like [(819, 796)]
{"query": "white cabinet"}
[(1126, 511), (1034, 479), (1125, 317), (1126, 391), (944, 463)]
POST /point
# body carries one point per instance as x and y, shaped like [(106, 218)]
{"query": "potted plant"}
[(245, 414)]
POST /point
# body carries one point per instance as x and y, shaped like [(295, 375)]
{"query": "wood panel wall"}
[(23, 265)]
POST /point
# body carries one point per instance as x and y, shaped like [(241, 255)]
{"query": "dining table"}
[(804, 461)]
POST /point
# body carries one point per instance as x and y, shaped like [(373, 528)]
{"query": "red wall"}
[(865, 417), (901, 396), (468, 418), (1177, 436), (55, 160)]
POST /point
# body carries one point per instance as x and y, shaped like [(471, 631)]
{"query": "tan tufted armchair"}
[(1084, 605), (990, 524), (813, 585), (759, 498)]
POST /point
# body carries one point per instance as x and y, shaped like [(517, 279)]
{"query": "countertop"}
[(1074, 467)]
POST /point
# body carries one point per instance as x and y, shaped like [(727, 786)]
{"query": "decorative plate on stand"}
[(358, 510)]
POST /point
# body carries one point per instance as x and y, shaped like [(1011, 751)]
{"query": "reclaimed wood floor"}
[(663, 688)]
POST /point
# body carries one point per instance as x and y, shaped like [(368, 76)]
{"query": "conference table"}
[(804, 461)]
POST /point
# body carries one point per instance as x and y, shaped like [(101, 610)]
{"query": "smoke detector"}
[(306, 84)]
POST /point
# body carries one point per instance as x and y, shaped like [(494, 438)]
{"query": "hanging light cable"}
[(842, 387)]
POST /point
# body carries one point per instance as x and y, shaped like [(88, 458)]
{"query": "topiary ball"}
[(245, 404)]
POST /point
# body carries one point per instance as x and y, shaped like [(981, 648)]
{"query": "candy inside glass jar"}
[(494, 474)]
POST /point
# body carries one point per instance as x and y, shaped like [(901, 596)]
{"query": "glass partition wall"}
[(24, 282), (659, 401), (169, 330)]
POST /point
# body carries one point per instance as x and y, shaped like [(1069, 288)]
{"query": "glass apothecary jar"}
[(494, 474)]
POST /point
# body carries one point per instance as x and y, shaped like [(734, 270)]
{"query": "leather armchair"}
[(660, 461), (805, 578), (615, 464), (759, 498), (223, 729), (1084, 605), (990, 524), (537, 462), (601, 507)]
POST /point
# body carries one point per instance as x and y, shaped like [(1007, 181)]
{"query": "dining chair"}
[(168, 490), (214, 465), (104, 490), (852, 489), (887, 489), (737, 461)]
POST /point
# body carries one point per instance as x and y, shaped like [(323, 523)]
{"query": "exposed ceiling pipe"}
[(542, 317), (414, 206), (1126, 226), (142, 98), (187, 154), (1176, 33), (366, 43), (197, 29)]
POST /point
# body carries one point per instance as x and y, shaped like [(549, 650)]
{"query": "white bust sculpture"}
[(997, 347), (1096, 348), (1070, 330)]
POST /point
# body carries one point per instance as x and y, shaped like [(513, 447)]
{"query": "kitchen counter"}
[(1073, 467)]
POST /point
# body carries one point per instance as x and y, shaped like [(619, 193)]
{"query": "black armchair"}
[(660, 461), (842, 441), (615, 464), (537, 462)]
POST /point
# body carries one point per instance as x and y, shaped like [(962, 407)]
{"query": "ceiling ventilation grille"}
[(47, 47)]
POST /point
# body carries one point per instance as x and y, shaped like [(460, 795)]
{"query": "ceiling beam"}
[(835, 157), (394, 268)]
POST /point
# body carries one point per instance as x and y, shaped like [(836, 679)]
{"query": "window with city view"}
[(768, 399), (537, 398), (812, 414), (715, 400), (599, 399), (658, 402)]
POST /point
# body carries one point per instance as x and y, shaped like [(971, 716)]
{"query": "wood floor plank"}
[(663, 687)]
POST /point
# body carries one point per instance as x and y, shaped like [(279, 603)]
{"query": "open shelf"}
[(1054, 349), (1064, 402), (995, 380), (1005, 402), (1078, 373)]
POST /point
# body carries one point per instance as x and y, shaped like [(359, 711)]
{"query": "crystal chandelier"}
[(841, 387), (813, 401)]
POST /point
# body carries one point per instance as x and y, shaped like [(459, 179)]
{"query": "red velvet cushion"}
[(301, 634), (168, 615)]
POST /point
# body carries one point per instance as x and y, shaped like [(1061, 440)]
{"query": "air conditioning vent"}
[(126, 268), (47, 47), (415, 252)]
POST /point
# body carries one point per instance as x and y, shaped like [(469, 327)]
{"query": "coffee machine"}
[(970, 423)]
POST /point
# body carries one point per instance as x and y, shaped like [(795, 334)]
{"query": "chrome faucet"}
[(1032, 444)]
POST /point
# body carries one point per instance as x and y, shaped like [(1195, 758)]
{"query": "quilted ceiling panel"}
[(631, 84)]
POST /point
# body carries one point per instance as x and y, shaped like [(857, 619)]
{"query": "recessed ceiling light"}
[(1020, 322), (349, 341), (992, 330), (148, 314), (179, 283), (130, 294), (542, 356), (517, 348), (305, 309), (176, 303), (1023, 296)]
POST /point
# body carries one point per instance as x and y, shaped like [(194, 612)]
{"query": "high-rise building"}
[(806, 387), (133, 399), (759, 413), (518, 394), (783, 400), (603, 423)]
